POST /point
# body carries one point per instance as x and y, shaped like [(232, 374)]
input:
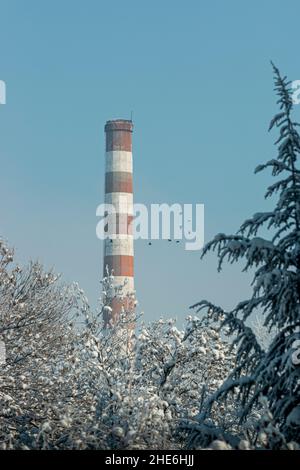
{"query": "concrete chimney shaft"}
[(118, 249)]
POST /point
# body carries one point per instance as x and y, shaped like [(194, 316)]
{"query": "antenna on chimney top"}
[(131, 116)]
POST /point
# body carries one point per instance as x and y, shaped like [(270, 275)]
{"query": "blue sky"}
[(197, 77)]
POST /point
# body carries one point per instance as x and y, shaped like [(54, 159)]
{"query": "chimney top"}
[(119, 125)]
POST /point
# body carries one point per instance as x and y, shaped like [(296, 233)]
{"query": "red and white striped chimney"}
[(118, 248)]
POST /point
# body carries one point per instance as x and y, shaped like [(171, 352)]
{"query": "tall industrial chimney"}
[(118, 247)]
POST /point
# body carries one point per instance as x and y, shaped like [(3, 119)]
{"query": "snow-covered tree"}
[(36, 313), (268, 372), (69, 383), (144, 392)]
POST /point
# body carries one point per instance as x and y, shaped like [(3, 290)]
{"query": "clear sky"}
[(196, 75)]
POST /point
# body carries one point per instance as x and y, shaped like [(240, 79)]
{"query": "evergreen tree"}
[(269, 372)]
